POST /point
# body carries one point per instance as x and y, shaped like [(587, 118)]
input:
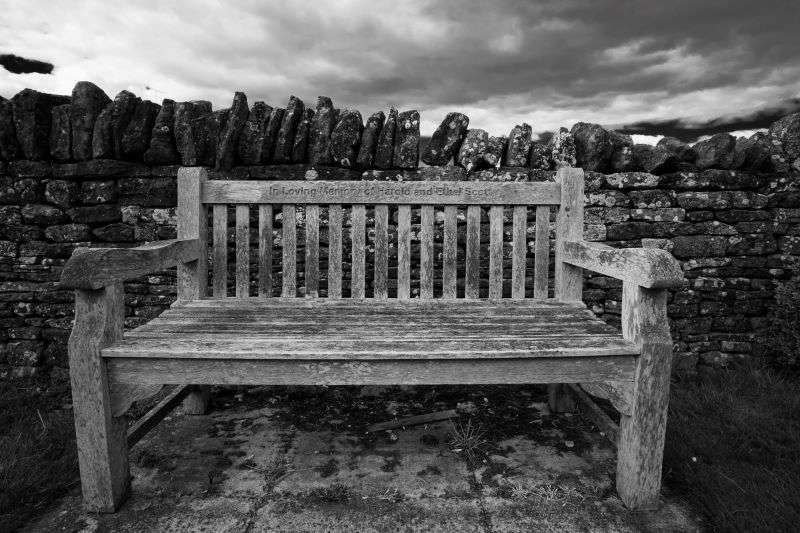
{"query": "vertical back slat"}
[(381, 262), (449, 257), (335, 251), (519, 248), (569, 227), (541, 252), (289, 253), (496, 251), (312, 251), (472, 266), (426, 252), (357, 274), (265, 250), (220, 250), (404, 251), (192, 224), (242, 251)]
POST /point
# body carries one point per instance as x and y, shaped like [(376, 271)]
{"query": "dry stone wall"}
[(88, 170)]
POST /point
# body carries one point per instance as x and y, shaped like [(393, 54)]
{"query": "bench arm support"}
[(651, 268), (95, 268)]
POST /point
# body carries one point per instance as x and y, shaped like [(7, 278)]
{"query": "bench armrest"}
[(94, 268), (651, 268)]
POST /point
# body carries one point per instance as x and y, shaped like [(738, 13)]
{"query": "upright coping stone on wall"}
[(406, 140), (284, 145), (384, 151), (229, 135), (254, 134), (88, 101), (33, 115), (346, 137), (319, 145), (446, 140), (369, 140), (185, 113), (162, 150)]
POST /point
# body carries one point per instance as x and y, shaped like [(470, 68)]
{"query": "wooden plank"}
[(438, 372), (519, 244), (569, 227), (381, 262), (312, 251), (449, 257), (289, 243), (155, 415), (359, 218), (651, 268), (100, 437), (541, 256), (242, 251), (237, 346), (335, 251), (496, 251), (236, 303), (472, 265), (265, 250), (404, 251), (426, 252), (382, 192), (642, 433), (410, 421), (94, 268), (619, 394), (220, 251), (192, 224), (596, 415)]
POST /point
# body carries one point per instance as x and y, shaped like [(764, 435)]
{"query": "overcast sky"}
[(549, 63)]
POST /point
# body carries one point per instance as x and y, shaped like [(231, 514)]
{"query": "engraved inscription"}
[(365, 190)]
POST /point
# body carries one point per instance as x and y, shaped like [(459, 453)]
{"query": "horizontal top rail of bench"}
[(381, 192)]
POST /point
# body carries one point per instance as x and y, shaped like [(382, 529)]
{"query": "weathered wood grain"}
[(192, 224), (472, 263), (100, 437), (156, 414), (596, 415), (335, 251), (641, 437), (289, 245), (496, 251), (381, 262), (651, 268), (381, 192), (541, 250), (242, 251), (312, 251), (94, 268), (519, 249), (569, 227), (426, 251), (220, 251), (265, 250), (359, 218), (393, 372), (404, 251), (449, 254), (620, 394)]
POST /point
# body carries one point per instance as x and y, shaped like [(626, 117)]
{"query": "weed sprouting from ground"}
[(466, 438)]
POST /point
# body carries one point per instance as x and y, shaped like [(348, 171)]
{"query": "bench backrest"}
[(333, 205)]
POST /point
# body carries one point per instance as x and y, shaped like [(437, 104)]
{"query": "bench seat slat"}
[(374, 329)]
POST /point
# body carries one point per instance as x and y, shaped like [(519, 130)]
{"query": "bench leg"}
[(560, 399), (100, 437), (641, 435), (198, 401)]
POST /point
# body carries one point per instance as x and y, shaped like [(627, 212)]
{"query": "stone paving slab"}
[(300, 459)]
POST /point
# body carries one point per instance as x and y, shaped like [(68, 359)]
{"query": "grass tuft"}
[(38, 461), (733, 447)]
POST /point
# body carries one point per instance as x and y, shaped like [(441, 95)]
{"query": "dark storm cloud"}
[(21, 65), (549, 63)]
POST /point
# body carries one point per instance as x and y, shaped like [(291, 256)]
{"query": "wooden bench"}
[(443, 335)]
